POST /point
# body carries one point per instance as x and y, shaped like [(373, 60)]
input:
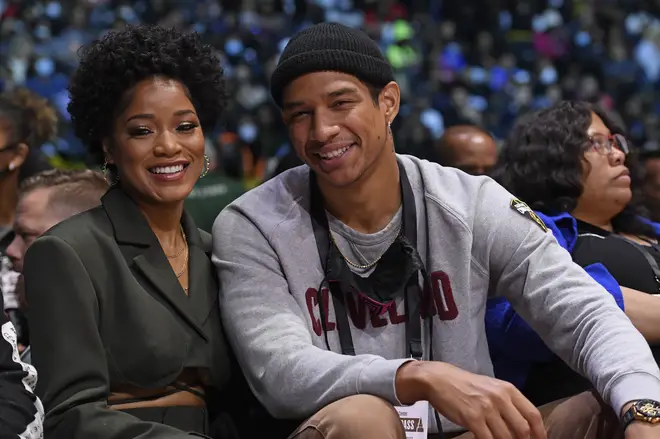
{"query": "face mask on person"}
[(234, 47), (19, 68), (42, 32), (44, 67), (548, 75), (247, 132), (53, 10)]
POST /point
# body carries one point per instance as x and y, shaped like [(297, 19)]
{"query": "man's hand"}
[(487, 407), (642, 430)]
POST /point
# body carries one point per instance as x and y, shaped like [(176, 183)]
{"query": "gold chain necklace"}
[(184, 249), (185, 259), (183, 234), (371, 264), (176, 255)]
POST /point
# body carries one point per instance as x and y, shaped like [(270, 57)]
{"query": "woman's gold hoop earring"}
[(207, 166), (105, 171)]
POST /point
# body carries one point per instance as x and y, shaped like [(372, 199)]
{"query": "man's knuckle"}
[(487, 403), (523, 432), (509, 387), (534, 416), (471, 417)]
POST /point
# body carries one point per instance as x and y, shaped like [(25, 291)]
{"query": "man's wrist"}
[(644, 412), (410, 382), (625, 409)]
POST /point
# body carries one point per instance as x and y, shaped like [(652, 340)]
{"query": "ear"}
[(107, 152), (20, 155), (390, 99)]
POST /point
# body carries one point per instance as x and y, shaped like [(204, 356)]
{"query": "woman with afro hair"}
[(125, 327)]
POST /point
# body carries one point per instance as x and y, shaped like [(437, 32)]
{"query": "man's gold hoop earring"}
[(207, 166)]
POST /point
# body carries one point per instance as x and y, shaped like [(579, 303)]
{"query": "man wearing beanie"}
[(357, 284)]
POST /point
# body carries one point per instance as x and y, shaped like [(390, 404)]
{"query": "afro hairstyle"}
[(113, 65)]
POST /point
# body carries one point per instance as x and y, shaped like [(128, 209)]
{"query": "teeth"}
[(333, 154), (167, 169)]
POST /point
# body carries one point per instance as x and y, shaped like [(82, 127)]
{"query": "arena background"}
[(481, 62)]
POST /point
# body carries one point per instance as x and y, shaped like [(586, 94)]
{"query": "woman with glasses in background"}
[(573, 166)]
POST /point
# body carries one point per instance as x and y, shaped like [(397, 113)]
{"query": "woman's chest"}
[(631, 264), (150, 338)]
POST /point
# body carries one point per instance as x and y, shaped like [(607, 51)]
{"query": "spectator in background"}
[(570, 163), (647, 53), (651, 185), (46, 199), (26, 122), (130, 283), (467, 148)]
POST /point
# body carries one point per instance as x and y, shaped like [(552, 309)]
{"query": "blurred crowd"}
[(478, 62)]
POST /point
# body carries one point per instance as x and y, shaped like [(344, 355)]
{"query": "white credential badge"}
[(415, 419)]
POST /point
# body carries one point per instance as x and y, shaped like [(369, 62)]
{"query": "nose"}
[(323, 127), (167, 144), (15, 253), (617, 157)]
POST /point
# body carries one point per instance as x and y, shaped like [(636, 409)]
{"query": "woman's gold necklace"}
[(185, 259)]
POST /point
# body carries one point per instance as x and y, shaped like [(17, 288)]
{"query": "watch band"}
[(628, 417)]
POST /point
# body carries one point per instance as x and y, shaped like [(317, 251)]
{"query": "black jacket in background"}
[(21, 413)]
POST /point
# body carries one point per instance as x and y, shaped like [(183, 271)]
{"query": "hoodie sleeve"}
[(575, 316), (509, 336)]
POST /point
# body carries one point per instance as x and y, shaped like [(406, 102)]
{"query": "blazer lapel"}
[(202, 284), (143, 253)]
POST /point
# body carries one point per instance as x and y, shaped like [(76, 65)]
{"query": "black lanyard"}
[(413, 293)]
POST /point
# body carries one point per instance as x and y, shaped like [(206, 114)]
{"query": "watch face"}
[(648, 408)]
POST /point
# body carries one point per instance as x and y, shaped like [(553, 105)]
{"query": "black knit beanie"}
[(330, 47)]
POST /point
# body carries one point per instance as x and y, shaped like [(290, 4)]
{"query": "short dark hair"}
[(374, 91), (74, 191), (28, 118), (543, 157), (113, 65), (444, 153)]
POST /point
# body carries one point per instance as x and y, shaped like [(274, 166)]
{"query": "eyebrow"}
[(152, 116), (333, 94), (20, 229)]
